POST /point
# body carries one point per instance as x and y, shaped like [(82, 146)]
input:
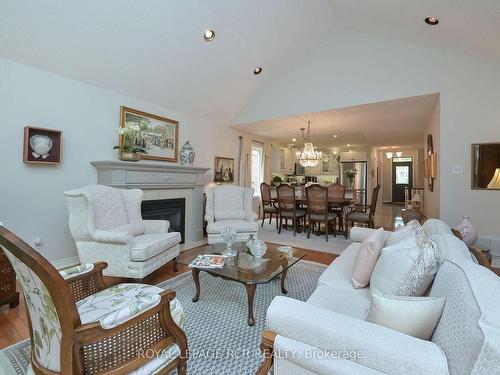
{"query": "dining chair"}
[(337, 191), (287, 207), (317, 209), (268, 206), (363, 214)]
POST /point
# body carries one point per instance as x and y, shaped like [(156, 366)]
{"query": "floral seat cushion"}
[(120, 303)]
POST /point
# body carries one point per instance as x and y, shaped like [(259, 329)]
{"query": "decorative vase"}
[(350, 183), (229, 236), (129, 156), (467, 230), (249, 241), (187, 154), (258, 248)]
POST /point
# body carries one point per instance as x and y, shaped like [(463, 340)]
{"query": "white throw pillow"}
[(367, 257), (436, 226), (412, 229), (406, 268), (414, 316)]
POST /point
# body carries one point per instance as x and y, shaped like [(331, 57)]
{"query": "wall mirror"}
[(486, 166)]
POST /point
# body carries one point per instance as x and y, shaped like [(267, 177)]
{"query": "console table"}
[(8, 293)]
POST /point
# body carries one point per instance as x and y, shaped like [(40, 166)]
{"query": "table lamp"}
[(495, 181)]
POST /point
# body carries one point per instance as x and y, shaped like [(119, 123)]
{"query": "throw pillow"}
[(414, 316), (412, 229), (367, 257), (406, 268)]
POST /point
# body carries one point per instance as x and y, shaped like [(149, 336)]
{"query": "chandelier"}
[(308, 157)]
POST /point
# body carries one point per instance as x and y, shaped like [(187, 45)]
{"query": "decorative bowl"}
[(258, 248)]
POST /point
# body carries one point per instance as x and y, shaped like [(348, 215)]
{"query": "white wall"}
[(354, 68), (31, 196)]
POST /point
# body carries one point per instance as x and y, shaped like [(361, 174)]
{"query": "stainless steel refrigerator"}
[(360, 180)]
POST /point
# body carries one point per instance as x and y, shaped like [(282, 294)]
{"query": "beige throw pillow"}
[(367, 257), (414, 316)]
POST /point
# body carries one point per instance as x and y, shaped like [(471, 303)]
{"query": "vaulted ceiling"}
[(154, 50)]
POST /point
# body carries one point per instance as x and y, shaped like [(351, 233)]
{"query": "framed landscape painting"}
[(158, 136)]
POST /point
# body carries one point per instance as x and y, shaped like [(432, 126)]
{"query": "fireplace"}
[(173, 210)]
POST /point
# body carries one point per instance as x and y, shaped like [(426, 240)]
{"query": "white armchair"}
[(229, 205), (107, 225)]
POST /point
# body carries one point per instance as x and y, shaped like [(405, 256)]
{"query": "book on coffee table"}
[(208, 261)]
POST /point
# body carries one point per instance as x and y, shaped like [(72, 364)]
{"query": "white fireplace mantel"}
[(147, 175)]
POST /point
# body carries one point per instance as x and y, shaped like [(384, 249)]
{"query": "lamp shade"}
[(495, 181), (417, 198)]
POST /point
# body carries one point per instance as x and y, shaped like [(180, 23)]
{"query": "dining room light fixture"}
[(399, 154), (257, 70), (308, 157), (209, 35), (389, 154)]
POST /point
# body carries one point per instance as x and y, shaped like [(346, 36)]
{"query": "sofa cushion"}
[(148, 245), (237, 225), (414, 316), (229, 203), (367, 257), (338, 273), (451, 247), (351, 302), (434, 226)]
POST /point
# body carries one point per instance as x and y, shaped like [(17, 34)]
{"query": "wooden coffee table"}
[(244, 268)]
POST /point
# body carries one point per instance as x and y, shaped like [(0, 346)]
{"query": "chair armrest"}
[(86, 283), (152, 329), (109, 236), (481, 259), (156, 226), (382, 349), (209, 218)]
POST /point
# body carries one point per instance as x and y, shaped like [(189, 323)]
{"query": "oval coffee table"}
[(244, 268)]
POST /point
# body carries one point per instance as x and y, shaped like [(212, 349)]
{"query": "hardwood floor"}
[(14, 328)]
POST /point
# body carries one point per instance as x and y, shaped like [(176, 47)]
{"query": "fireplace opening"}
[(173, 210)]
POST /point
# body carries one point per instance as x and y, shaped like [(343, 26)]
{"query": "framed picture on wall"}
[(158, 136), (224, 170), (42, 146)]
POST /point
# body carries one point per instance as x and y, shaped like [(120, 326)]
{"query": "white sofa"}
[(465, 341), (229, 205), (107, 225)]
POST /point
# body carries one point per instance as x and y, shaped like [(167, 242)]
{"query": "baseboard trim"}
[(65, 263)]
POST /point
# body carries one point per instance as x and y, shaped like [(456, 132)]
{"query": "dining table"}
[(339, 202)]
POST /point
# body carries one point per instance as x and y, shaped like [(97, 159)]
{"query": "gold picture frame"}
[(162, 138)]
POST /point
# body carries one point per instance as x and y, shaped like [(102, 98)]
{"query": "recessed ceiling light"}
[(257, 70), (431, 20), (209, 35), (348, 145), (294, 140), (335, 136)]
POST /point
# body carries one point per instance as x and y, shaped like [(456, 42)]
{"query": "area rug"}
[(335, 245), (219, 339)]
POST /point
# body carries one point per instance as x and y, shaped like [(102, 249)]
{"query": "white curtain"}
[(245, 167)]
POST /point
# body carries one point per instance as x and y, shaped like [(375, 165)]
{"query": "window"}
[(257, 168)]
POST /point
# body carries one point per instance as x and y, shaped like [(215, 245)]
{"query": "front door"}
[(401, 179)]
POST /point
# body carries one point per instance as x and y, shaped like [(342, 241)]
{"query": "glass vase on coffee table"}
[(229, 236)]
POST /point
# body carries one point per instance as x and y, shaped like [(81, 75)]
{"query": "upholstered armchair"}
[(77, 326), (229, 205), (107, 225)]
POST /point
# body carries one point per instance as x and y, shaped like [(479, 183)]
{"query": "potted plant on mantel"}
[(130, 135)]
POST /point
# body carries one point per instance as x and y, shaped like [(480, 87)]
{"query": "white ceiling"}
[(153, 49), (466, 26), (401, 122)]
